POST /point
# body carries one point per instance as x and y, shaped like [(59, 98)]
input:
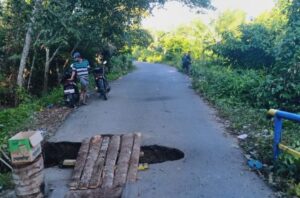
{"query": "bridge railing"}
[(278, 121)]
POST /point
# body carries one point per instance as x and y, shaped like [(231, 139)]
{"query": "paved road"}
[(157, 101)]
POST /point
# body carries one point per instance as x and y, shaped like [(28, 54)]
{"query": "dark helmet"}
[(76, 55)]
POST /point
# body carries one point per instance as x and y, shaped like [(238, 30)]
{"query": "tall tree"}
[(229, 21), (27, 42)]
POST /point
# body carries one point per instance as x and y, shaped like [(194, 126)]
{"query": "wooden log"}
[(99, 164), (36, 164), (28, 180), (123, 160), (142, 154), (33, 188), (96, 193), (80, 163), (5, 156), (112, 154), (37, 195), (6, 164), (20, 181), (134, 160), (90, 161), (69, 162)]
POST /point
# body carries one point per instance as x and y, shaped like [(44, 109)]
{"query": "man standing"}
[(80, 69), (186, 62)]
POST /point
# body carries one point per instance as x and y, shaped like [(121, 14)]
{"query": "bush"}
[(152, 56), (5, 181), (13, 120), (243, 97), (121, 65), (55, 97), (224, 82)]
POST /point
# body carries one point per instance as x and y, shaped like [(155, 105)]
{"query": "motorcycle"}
[(101, 81), (71, 92)]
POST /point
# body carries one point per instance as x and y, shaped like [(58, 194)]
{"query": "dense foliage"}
[(37, 38), (244, 67)]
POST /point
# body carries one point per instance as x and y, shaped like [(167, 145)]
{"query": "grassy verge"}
[(236, 96), (115, 75), (19, 118), (121, 65), (5, 181)]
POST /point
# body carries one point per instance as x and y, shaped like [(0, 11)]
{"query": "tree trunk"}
[(33, 60), (46, 71), (27, 43), (31, 71), (47, 67), (58, 73)]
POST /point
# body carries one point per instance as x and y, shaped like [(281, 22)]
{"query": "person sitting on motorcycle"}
[(80, 70)]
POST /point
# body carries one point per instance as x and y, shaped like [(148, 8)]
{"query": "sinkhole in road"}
[(157, 154), (56, 152)]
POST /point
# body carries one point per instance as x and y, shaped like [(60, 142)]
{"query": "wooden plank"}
[(69, 163), (38, 177), (28, 180), (103, 166), (134, 160), (112, 154), (90, 161), (99, 164), (27, 172), (96, 193), (33, 188), (123, 160), (80, 163)]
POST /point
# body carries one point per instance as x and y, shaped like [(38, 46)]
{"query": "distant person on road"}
[(80, 70), (186, 62)]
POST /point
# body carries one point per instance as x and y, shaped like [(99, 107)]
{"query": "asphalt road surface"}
[(157, 101)]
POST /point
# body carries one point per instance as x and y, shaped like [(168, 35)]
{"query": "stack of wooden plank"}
[(104, 164), (29, 179)]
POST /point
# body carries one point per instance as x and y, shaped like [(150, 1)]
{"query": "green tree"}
[(38, 36), (229, 21)]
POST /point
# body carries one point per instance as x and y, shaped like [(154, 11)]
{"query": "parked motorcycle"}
[(71, 92), (101, 81)]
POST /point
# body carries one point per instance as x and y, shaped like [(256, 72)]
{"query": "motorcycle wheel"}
[(102, 89), (70, 102)]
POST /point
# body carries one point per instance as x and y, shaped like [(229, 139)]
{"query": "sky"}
[(174, 13)]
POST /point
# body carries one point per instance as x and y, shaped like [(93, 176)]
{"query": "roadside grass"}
[(235, 94), (19, 118), (5, 181), (115, 75)]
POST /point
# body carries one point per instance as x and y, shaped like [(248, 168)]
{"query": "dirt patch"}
[(49, 119)]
